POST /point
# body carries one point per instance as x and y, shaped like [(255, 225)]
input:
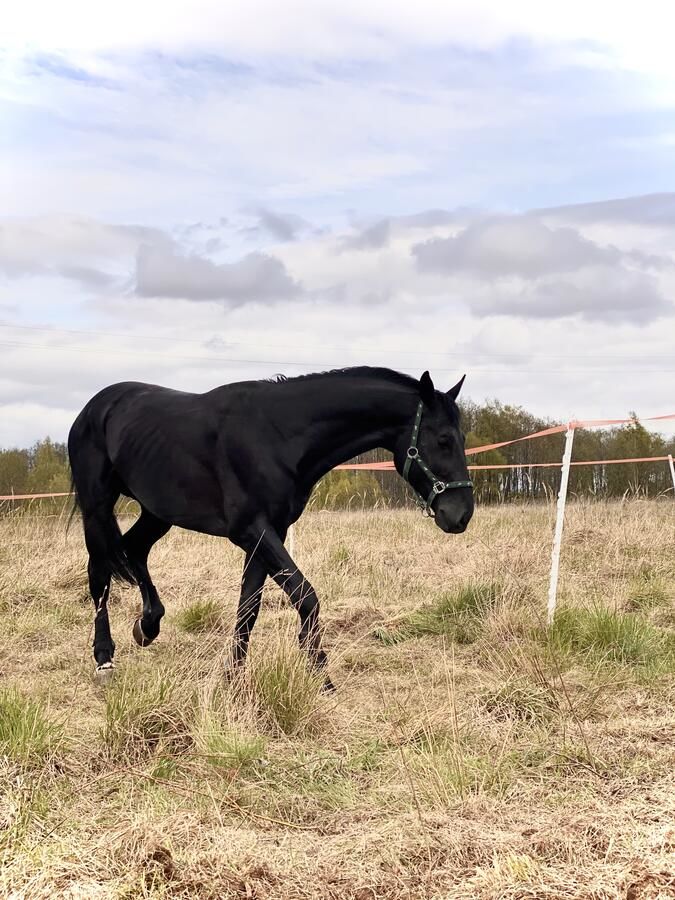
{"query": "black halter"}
[(438, 485)]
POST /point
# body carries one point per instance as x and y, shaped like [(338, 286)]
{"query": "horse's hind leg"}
[(138, 542), (100, 574), (99, 585), (98, 488)]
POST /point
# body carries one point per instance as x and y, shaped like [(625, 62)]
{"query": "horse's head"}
[(430, 456)]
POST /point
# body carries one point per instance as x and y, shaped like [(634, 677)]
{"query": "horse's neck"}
[(352, 418)]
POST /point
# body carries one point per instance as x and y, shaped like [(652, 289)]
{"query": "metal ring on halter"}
[(439, 487), (426, 510), (413, 452)]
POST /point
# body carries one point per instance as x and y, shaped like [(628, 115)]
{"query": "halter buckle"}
[(439, 487)]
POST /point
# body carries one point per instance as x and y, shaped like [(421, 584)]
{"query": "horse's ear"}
[(453, 393), (427, 389)]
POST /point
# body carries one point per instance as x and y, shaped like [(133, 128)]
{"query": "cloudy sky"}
[(196, 193)]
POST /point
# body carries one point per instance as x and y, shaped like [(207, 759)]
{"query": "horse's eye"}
[(444, 440)]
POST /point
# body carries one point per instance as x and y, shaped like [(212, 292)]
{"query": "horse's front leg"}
[(281, 567)]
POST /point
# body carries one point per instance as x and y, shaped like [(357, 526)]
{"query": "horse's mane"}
[(375, 372)]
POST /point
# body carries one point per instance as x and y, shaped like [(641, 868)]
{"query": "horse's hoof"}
[(104, 674), (328, 687), (234, 674), (139, 637)]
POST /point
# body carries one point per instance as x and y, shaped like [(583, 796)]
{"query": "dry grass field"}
[(469, 752)]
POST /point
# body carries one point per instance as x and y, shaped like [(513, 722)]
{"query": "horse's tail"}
[(103, 533), (75, 508)]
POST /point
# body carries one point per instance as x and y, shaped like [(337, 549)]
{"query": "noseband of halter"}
[(413, 454)]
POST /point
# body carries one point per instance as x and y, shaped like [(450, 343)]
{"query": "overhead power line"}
[(379, 349), (303, 364)]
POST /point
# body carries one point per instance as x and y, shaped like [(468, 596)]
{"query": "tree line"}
[(43, 468), (40, 469)]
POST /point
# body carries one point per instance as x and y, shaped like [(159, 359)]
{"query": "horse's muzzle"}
[(450, 524)]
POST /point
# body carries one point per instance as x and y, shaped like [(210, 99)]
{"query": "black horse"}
[(240, 462)]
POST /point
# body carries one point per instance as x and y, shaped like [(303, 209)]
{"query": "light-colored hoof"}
[(234, 675), (139, 637), (104, 674)]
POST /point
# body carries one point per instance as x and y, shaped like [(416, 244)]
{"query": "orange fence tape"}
[(558, 429), (389, 465), (34, 496)]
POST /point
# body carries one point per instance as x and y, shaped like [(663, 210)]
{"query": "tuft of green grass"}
[(166, 767), (27, 735), (204, 615), (389, 636), (456, 614), (286, 690), (368, 756), (451, 772), (26, 805), (622, 638), (340, 557), (520, 698), (226, 745), (301, 783), (646, 592), (145, 717)]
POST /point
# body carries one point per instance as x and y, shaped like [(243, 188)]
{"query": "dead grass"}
[(469, 752)]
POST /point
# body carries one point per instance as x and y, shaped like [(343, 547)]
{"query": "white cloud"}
[(74, 247), (522, 267), (320, 29), (511, 246), (281, 226), (24, 417), (373, 237), (656, 210), (257, 277), (599, 293)]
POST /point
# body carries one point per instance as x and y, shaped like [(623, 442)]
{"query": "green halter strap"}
[(438, 486)]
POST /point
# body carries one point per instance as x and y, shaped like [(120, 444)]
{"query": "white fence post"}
[(672, 470), (291, 541), (560, 517)]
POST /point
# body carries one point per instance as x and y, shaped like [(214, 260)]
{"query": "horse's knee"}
[(308, 608), (99, 581), (304, 599)]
